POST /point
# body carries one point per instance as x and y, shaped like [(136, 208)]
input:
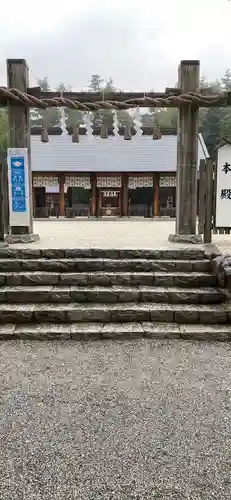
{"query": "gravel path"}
[(115, 420), (101, 233)]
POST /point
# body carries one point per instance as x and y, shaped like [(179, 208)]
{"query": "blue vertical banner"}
[(18, 178), (18, 191)]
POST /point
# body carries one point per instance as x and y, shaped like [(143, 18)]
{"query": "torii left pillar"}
[(187, 158), (19, 139)]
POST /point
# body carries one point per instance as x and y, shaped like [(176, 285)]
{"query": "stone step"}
[(105, 313), (87, 265), (113, 294), (105, 278), (88, 253), (97, 331)]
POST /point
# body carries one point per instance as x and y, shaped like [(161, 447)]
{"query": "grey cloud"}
[(136, 49), (112, 44)]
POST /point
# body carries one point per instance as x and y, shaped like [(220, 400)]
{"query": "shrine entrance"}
[(109, 195), (110, 203), (144, 180), (140, 196)]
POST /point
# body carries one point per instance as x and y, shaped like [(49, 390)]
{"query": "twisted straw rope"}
[(192, 98)]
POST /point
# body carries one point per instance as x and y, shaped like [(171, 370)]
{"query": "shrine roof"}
[(93, 154), (223, 142)]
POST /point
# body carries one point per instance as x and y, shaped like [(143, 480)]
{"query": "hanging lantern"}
[(44, 134), (127, 133), (104, 132), (156, 133), (75, 133)]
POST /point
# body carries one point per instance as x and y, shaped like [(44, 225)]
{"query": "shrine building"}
[(105, 177)]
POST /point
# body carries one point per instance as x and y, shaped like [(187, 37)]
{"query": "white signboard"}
[(223, 194), (18, 180)]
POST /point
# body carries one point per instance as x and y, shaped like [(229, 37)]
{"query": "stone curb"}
[(110, 294), (101, 265), (221, 267), (99, 253), (194, 239), (123, 331), (175, 278), (22, 238), (45, 313)]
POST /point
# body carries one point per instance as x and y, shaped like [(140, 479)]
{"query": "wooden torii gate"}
[(18, 97)]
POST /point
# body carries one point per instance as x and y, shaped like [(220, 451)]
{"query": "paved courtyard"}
[(116, 420), (119, 233)]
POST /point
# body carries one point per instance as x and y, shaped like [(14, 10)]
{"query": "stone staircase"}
[(96, 294)]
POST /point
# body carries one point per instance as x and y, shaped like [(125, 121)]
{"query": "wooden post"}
[(5, 192), (61, 196), (187, 157), (125, 195), (93, 195), (19, 137), (214, 196), (156, 195), (2, 229), (34, 200), (208, 201), (202, 188)]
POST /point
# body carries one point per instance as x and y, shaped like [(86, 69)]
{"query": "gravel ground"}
[(115, 420), (101, 233)]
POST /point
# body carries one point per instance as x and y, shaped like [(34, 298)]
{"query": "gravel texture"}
[(107, 233), (116, 420)]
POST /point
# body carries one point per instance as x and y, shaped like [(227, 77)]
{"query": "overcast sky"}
[(137, 42)]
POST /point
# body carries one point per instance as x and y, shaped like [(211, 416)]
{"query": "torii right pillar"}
[(187, 158)]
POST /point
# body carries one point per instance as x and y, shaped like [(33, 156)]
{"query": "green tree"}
[(124, 118), (73, 116), (96, 83), (102, 117), (211, 127), (43, 84), (36, 116), (226, 81), (216, 122), (167, 117), (106, 117), (51, 115), (63, 88), (109, 86)]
